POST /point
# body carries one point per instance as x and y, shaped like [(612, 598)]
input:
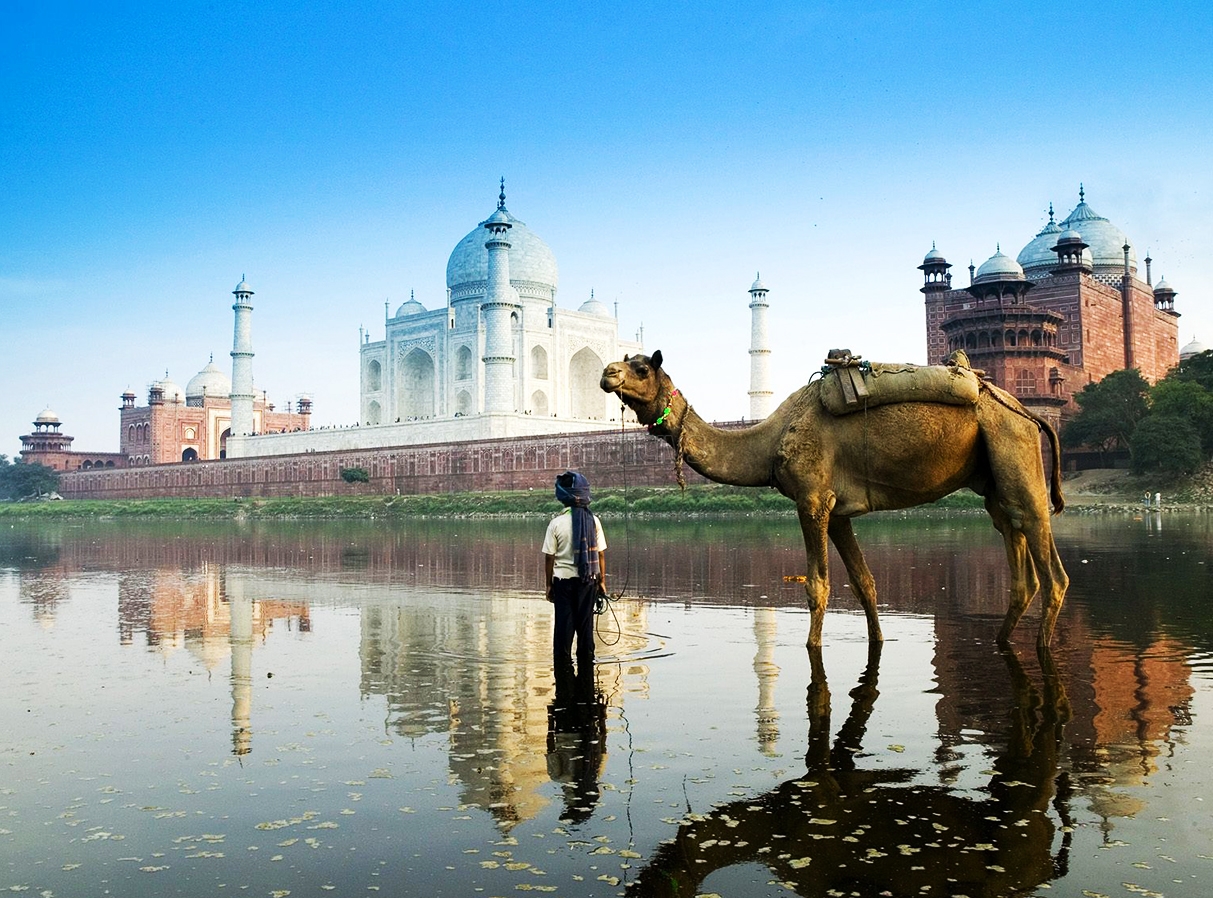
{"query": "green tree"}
[(20, 479), (1109, 411), (1198, 369), (1165, 444), (355, 475), (1188, 400)]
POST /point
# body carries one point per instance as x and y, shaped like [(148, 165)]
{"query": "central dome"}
[(531, 260), (1105, 240), (209, 383)]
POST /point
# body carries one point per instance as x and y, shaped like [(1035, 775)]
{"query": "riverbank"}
[(637, 501), (1103, 491)]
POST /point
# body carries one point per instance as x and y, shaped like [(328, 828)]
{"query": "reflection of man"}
[(574, 554), (577, 741)]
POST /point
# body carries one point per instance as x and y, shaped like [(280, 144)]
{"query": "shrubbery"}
[(1167, 428), (20, 480)]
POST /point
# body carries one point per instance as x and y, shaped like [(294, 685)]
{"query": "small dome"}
[(933, 256), (1193, 348), (1038, 258), (1163, 287), (758, 285), (243, 286), (172, 392), (412, 307), (210, 383), (999, 267), (46, 416), (1070, 236), (593, 307)]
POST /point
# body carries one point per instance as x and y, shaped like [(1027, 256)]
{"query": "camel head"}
[(641, 385)]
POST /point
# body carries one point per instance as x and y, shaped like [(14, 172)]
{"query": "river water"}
[(358, 708)]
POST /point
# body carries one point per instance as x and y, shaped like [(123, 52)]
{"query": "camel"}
[(883, 458)]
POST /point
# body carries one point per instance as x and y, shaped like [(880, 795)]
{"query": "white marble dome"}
[(46, 416), (999, 267), (210, 383), (1037, 258), (1104, 240), (412, 307), (593, 307), (172, 392), (1191, 349), (531, 259)]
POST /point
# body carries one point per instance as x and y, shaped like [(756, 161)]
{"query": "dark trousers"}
[(573, 599)]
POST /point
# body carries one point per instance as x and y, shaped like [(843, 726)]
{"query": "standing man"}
[(574, 556)]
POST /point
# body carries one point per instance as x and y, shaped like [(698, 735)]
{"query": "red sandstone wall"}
[(610, 458)]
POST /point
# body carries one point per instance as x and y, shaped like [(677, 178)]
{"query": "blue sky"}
[(335, 153)]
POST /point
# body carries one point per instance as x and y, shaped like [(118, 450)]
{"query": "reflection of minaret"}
[(767, 672), (498, 308), (760, 353), (241, 636), (242, 361)]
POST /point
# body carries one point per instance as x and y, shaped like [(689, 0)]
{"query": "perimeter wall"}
[(607, 458)]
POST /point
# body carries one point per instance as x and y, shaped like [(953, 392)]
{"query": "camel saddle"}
[(850, 384)]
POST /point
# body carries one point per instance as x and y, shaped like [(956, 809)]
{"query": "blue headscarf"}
[(573, 490)]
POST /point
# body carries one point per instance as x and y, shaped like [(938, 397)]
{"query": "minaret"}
[(760, 355), (242, 361), (499, 304)]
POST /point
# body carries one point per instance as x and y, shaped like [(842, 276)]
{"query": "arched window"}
[(415, 385), (539, 363), (190, 454), (374, 376), (585, 371), (130, 433), (463, 363), (539, 403), (463, 403), (374, 413)]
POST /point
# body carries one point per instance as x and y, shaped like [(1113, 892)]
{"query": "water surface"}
[(279, 709)]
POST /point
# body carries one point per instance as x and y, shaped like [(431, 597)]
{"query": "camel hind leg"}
[(1024, 583), (861, 577), (1018, 505)]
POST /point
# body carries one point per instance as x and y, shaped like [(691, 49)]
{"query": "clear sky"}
[(335, 153)]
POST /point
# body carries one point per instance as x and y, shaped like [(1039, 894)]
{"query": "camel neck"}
[(738, 457)]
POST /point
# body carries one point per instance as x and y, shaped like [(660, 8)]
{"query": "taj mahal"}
[(497, 357)]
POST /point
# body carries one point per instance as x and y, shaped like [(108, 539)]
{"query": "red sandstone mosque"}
[(1070, 309)]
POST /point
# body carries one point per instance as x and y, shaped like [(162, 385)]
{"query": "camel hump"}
[(853, 386)]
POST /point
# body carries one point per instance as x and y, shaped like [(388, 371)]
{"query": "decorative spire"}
[(1050, 212), (501, 196), (1082, 193)]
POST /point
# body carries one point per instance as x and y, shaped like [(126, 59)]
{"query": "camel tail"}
[(1014, 405), (1059, 501)]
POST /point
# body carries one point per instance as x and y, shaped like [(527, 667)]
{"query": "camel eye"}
[(642, 370)]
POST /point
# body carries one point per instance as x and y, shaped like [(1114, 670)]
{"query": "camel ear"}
[(625, 356), (655, 358)]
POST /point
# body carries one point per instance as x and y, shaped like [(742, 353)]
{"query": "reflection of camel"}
[(874, 832), (886, 457)]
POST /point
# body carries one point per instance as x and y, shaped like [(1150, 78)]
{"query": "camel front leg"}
[(814, 524), (862, 580)]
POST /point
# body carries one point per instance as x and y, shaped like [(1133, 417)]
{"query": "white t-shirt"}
[(558, 542)]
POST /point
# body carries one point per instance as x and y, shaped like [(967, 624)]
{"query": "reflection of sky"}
[(409, 696)]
